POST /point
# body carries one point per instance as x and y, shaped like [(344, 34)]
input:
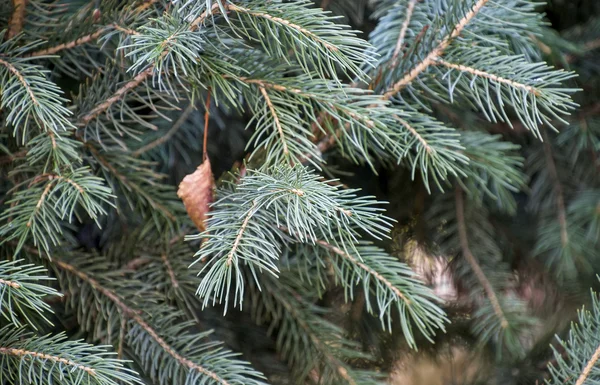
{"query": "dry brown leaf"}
[(196, 192)]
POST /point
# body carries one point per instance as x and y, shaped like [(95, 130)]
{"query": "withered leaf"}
[(196, 192)]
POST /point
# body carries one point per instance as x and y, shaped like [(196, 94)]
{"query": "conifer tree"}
[(186, 191)]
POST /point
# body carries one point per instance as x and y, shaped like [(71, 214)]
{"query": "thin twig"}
[(122, 331), (588, 367), (170, 271), (287, 23), (164, 138), (560, 198), (21, 78), (17, 19), (47, 357), (205, 133), (139, 79), (400, 43), (240, 234), (415, 134), (102, 107), (366, 268), (466, 251), (436, 53), (276, 119), (9, 158), (487, 75), (72, 44)]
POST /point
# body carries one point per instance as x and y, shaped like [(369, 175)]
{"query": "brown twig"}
[(136, 81), (102, 107), (287, 23), (400, 42), (560, 198), (435, 53), (14, 285), (466, 251), (72, 44), (240, 234), (205, 133), (12, 157), (487, 75), (264, 93), (588, 367), (17, 19), (22, 80), (47, 357), (170, 271)]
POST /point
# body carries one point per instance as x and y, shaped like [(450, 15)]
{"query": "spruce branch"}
[(494, 170), (579, 364), (245, 225), (123, 180), (20, 292), (500, 318), (366, 269), (432, 148), (169, 339), (436, 52), (37, 211), (487, 75), (563, 238), (30, 98), (316, 42), (118, 95), (41, 359), (139, 79), (387, 283), (311, 345)]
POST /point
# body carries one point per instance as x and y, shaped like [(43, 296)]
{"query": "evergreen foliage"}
[(486, 154)]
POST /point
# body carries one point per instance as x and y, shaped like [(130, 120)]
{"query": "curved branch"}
[(466, 251), (176, 126), (560, 198), (22, 80)]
